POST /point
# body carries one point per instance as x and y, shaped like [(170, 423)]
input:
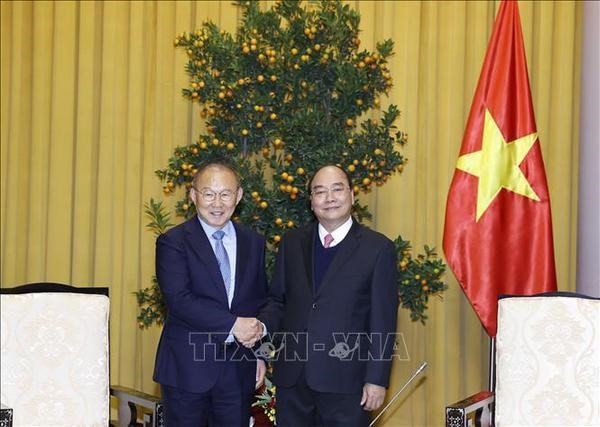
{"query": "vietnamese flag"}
[(498, 230)]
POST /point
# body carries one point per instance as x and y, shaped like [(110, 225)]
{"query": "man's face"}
[(216, 193), (331, 198)]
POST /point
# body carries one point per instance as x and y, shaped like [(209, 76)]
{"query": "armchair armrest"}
[(129, 398), (6, 416), (475, 410)]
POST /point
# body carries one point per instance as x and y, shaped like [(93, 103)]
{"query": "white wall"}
[(588, 239)]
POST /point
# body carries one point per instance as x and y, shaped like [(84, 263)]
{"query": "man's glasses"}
[(321, 192), (210, 196)]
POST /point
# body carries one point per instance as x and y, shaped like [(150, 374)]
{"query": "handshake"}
[(247, 330)]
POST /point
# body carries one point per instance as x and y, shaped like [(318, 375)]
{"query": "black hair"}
[(219, 162), (325, 166)]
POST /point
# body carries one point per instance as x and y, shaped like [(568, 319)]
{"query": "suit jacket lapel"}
[(306, 243), (347, 248), (242, 251), (198, 240)]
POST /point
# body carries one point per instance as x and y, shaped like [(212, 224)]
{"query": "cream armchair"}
[(547, 364), (54, 358)]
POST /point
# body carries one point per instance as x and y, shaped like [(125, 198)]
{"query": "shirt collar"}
[(338, 234), (209, 229)]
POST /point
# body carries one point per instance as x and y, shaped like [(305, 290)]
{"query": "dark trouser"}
[(224, 405), (301, 406)]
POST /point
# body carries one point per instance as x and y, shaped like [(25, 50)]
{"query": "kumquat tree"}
[(290, 91)]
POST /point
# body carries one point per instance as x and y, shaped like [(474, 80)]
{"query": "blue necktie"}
[(222, 259)]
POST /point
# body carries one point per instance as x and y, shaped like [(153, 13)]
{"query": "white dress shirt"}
[(338, 234), (230, 243)]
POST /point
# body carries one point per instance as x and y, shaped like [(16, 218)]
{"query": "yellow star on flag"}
[(497, 165)]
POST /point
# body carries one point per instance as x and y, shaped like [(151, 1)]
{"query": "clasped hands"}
[(247, 330)]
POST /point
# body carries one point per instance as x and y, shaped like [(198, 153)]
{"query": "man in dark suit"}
[(334, 300), (211, 273)]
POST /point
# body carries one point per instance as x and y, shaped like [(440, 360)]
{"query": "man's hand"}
[(247, 330), (261, 370), (372, 397)]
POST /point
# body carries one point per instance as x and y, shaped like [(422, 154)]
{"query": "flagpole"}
[(492, 378), (492, 370)]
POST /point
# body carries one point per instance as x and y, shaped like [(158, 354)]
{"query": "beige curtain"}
[(91, 107)]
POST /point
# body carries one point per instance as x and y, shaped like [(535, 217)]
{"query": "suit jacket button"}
[(314, 306)]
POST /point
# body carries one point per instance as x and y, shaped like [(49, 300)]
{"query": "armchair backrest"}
[(54, 355), (548, 361)]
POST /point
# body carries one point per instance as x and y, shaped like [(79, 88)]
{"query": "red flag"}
[(498, 230)]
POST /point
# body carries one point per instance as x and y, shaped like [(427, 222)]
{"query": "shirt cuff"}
[(265, 332)]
